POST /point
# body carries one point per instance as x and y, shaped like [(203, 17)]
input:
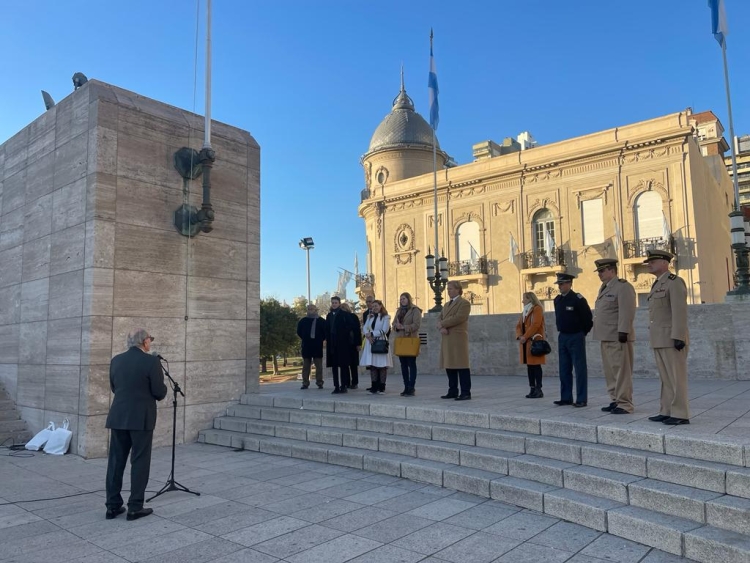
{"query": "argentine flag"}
[(432, 85), (718, 20)]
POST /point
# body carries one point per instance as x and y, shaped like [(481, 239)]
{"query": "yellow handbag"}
[(406, 346)]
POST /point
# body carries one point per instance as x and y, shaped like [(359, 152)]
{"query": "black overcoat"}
[(312, 347)]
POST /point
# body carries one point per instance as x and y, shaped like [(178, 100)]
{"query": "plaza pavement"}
[(259, 508)]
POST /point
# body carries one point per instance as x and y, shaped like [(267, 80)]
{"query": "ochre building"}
[(516, 216)]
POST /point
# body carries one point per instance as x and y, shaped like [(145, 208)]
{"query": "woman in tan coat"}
[(530, 327), (407, 322)]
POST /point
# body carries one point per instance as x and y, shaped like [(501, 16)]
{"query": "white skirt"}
[(376, 360)]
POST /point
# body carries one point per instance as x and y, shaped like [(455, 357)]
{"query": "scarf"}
[(401, 315), (526, 310), (314, 317)]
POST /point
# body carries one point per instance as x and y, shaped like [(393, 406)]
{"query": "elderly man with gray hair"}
[(137, 380)]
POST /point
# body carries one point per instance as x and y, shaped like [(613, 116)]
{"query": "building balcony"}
[(541, 262), (635, 251), (364, 280)]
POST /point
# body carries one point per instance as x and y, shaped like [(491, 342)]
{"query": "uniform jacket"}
[(312, 348), (573, 314), (615, 311), (412, 322), (137, 380), (534, 325), (667, 311), (454, 347)]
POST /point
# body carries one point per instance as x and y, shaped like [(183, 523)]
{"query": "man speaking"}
[(137, 380)]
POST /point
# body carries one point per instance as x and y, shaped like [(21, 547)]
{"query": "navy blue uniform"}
[(574, 321)]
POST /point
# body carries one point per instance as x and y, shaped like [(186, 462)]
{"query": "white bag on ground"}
[(38, 441), (59, 441)]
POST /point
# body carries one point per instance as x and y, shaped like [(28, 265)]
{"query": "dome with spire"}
[(402, 127)]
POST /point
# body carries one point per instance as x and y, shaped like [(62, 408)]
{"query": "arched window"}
[(467, 241), (544, 232), (649, 221)]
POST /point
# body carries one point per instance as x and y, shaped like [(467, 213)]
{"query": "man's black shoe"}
[(353, 387), (466, 397), (304, 387), (610, 408), (658, 418), (562, 403), (405, 392), (320, 387), (140, 513), (672, 421), (336, 391), (449, 396), (113, 512), (343, 389), (579, 405), (618, 410)]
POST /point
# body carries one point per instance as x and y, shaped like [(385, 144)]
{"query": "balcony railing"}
[(639, 248), (540, 259), (468, 267), (364, 279)]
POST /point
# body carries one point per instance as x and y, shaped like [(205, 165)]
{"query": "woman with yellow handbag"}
[(406, 346)]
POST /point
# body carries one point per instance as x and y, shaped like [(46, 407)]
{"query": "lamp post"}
[(437, 278), (737, 226), (307, 245)]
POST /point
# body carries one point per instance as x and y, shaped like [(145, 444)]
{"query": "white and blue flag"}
[(432, 85), (718, 20)]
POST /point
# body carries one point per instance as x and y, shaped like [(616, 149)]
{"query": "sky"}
[(312, 79)]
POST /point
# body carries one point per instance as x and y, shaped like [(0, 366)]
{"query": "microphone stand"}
[(171, 484)]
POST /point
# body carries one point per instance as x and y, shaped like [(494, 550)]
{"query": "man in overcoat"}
[(338, 345), (312, 331), (137, 380), (453, 324), (668, 335), (613, 327)]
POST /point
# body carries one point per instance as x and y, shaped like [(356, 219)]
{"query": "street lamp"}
[(737, 226), (307, 245), (437, 279)]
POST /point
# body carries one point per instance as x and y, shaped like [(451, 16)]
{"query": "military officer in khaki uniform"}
[(613, 327), (667, 315)]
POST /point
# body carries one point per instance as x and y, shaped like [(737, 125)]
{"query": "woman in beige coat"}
[(531, 326), (407, 321)]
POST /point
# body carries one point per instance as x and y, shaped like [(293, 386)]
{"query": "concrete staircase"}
[(685, 495), (13, 430)]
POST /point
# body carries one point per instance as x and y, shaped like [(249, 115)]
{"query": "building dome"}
[(403, 127)]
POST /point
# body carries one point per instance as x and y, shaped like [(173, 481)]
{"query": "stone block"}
[(164, 253), (691, 473), (10, 304), (32, 343), (468, 480), (454, 434), (425, 414), (96, 340), (36, 258), (540, 469), (570, 430), (99, 250), (412, 429), (94, 390), (339, 421), (61, 388), (14, 190), (360, 440), (321, 436), (145, 160), (232, 179), (65, 295), (37, 218), (650, 528), (311, 452), (436, 452), (169, 334), (260, 428), (729, 513), (233, 424), (11, 272), (473, 419), (245, 442), (738, 482), (305, 417), (234, 218), (275, 446), (486, 459), (505, 441), (713, 544), (635, 439), (213, 339), (345, 457), (219, 258), (523, 424), (34, 300), (581, 508), (349, 407), (64, 342), (213, 298), (72, 117), (668, 498), (520, 492), (67, 250), (387, 464), (599, 482), (93, 436), (375, 425), (102, 157), (30, 387), (216, 437), (424, 471), (165, 298), (215, 381), (718, 449), (98, 291), (287, 403), (71, 160), (291, 432), (608, 457), (244, 411), (11, 233), (554, 448), (40, 177), (101, 197), (69, 205), (257, 400), (9, 340), (401, 446), (318, 405), (388, 411), (143, 204)]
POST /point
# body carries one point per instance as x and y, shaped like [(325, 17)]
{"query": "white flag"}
[(665, 228), (618, 234), (549, 242), (513, 249)]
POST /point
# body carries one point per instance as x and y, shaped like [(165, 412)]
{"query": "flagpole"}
[(731, 126)]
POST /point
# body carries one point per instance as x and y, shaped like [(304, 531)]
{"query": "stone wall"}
[(719, 344), (89, 252)]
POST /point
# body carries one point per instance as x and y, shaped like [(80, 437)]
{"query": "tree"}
[(278, 331), (299, 306)]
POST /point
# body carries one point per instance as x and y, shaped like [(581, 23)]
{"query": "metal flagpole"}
[(731, 126)]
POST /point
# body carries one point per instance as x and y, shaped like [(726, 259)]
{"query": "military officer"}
[(667, 315), (574, 322), (613, 327)]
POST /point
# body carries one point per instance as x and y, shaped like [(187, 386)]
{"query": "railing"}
[(364, 279), (540, 258), (468, 267), (364, 194), (639, 248)]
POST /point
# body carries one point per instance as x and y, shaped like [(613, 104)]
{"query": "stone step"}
[(729, 513), (12, 426), (600, 482), (581, 508), (706, 475), (541, 469), (651, 528), (675, 500), (709, 545)]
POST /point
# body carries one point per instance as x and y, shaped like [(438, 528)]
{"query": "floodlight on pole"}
[(307, 245)]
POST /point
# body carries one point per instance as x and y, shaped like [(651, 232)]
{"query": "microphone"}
[(158, 356)]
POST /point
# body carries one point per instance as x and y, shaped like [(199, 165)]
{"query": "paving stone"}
[(337, 550), (440, 509), (566, 536), (246, 556), (425, 414), (287, 402), (554, 448), (599, 482), (454, 434), (388, 411), (297, 541), (522, 525), (412, 429), (483, 515), (607, 457), (393, 528), (206, 550), (712, 544), (360, 518), (477, 548), (627, 438), (410, 500), (433, 538), (467, 418), (486, 459), (717, 449), (658, 556), (520, 492), (534, 468), (515, 423), (729, 513), (580, 431), (389, 554), (617, 549), (581, 508), (532, 553), (691, 473), (676, 500), (468, 480), (651, 528), (376, 495)]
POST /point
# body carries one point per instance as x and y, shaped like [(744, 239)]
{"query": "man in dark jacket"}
[(338, 345), (574, 321), (312, 331), (137, 380)]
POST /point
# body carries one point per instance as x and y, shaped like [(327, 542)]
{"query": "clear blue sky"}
[(311, 80)]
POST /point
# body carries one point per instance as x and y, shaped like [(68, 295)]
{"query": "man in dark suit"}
[(137, 380), (312, 331)]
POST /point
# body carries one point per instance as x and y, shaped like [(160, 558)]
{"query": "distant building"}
[(742, 151), (657, 183)]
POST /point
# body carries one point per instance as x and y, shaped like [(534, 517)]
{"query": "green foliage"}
[(299, 306), (278, 329)]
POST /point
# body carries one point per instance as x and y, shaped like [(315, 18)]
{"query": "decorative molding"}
[(587, 194), (504, 207), (368, 173), (431, 220), (544, 176), (466, 217), (403, 240), (646, 186), (381, 176), (542, 203)]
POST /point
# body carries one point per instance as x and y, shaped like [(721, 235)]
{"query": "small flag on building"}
[(549, 242), (718, 20), (618, 234), (513, 249), (666, 233), (432, 84)]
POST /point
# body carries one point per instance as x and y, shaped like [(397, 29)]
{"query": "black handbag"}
[(379, 346), (540, 347)]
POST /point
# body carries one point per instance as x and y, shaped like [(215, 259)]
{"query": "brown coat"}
[(614, 311), (667, 311), (412, 322), (534, 325), (454, 347)]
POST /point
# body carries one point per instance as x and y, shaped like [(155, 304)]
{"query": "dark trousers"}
[(354, 373), (459, 375), (306, 368), (344, 376), (137, 443), (409, 370), (572, 354), (535, 376)]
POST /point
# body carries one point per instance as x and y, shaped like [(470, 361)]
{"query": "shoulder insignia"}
[(579, 296), (622, 280), (672, 277)]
